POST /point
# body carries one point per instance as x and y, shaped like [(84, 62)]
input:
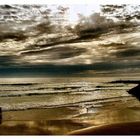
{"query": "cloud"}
[(17, 36), (124, 12), (128, 53), (73, 70), (8, 60), (94, 25), (96, 45), (97, 24), (53, 53)]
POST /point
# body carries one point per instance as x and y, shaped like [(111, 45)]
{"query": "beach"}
[(112, 118), (69, 69)]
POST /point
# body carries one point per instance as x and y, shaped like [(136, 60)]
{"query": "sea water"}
[(29, 93)]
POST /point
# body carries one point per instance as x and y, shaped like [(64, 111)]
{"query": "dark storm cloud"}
[(123, 50), (128, 53), (57, 53), (96, 24), (64, 70), (8, 60), (17, 36), (45, 42)]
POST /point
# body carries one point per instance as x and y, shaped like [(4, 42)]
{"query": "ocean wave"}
[(38, 105), (46, 89), (44, 92)]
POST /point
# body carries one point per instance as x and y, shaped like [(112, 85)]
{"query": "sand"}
[(49, 121), (115, 118), (130, 128), (65, 121)]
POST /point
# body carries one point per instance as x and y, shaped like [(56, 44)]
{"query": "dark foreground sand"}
[(130, 128)]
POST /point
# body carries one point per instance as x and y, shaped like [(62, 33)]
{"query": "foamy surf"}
[(22, 94)]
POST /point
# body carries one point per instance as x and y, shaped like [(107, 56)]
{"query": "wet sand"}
[(49, 121), (68, 127), (110, 120), (121, 117), (50, 127)]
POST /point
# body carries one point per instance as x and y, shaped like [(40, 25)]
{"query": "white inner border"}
[(69, 1)]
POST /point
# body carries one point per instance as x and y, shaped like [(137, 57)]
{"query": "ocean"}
[(29, 93)]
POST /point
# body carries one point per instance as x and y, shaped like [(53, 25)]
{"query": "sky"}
[(84, 9), (69, 40)]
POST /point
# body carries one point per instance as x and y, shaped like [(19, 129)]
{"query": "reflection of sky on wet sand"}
[(64, 126)]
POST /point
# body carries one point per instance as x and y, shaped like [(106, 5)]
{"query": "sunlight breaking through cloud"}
[(34, 36)]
